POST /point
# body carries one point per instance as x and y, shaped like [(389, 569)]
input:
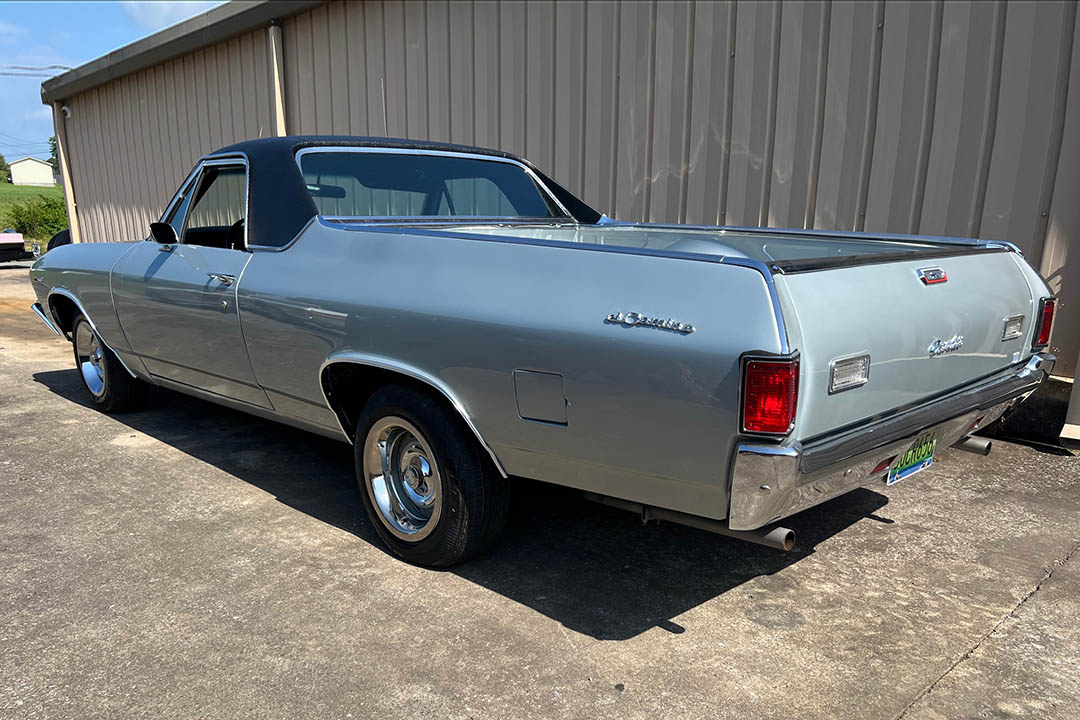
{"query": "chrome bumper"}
[(770, 482), (36, 307)]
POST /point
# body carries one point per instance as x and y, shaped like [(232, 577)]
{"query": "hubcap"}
[(402, 478), (90, 359)]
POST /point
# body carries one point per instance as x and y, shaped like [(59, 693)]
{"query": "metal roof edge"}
[(213, 26)]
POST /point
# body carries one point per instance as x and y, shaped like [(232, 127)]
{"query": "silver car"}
[(462, 320)]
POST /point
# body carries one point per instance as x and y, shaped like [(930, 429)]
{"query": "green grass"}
[(10, 194)]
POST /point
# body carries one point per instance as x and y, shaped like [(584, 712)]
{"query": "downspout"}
[(59, 111), (277, 81)]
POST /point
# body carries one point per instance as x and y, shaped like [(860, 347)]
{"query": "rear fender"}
[(385, 365)]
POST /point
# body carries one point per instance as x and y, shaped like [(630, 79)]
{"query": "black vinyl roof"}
[(280, 205)]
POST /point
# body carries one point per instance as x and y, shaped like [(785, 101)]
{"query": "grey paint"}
[(651, 111), (552, 389)]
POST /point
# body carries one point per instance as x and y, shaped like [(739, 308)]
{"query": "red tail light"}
[(770, 389), (1046, 322)]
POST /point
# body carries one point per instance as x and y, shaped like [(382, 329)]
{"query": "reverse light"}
[(770, 389), (1046, 322), (850, 372)]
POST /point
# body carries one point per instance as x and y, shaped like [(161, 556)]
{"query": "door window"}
[(218, 209)]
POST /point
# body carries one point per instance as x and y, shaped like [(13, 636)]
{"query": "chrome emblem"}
[(633, 319), (932, 275), (941, 347)]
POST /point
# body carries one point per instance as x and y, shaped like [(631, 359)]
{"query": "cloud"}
[(10, 29), (41, 113), (154, 16)]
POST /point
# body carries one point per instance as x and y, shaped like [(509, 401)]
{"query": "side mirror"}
[(163, 233)]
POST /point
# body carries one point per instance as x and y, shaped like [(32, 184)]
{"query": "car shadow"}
[(594, 569)]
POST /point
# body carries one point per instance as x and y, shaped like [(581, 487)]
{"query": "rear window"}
[(393, 185)]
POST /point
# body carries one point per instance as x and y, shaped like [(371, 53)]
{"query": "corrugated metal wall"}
[(929, 117), (133, 140)]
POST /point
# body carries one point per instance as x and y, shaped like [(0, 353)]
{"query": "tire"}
[(61, 238), (108, 385), (442, 501)]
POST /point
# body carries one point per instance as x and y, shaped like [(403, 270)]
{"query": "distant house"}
[(31, 171)]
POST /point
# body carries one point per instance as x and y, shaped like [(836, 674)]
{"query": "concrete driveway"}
[(188, 561)]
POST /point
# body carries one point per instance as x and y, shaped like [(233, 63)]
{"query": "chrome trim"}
[(416, 374), (1005, 327), (767, 357), (401, 478), (770, 482), (832, 369), (36, 307), (90, 359), (71, 296), (226, 161), (440, 153), (1036, 327)]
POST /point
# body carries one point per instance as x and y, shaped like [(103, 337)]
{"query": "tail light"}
[(1046, 322), (770, 389)]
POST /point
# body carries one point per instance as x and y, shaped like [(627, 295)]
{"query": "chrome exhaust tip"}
[(972, 444)]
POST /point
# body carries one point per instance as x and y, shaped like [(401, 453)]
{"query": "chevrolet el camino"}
[(462, 320)]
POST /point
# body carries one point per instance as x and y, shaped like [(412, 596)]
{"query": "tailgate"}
[(885, 310)]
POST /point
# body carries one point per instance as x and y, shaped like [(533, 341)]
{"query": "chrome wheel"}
[(90, 358), (402, 478)]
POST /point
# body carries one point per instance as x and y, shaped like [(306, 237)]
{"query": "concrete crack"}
[(1047, 573)]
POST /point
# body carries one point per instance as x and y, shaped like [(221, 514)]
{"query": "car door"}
[(177, 301)]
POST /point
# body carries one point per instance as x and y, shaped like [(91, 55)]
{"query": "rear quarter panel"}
[(651, 414)]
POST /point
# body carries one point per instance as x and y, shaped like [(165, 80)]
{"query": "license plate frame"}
[(918, 457)]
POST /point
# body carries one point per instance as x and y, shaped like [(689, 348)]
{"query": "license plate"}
[(918, 457)]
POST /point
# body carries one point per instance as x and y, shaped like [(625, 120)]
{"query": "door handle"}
[(223, 279)]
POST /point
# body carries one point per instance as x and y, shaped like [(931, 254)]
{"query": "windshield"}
[(372, 184)]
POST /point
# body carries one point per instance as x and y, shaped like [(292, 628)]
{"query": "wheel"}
[(431, 491), (61, 238), (110, 387)]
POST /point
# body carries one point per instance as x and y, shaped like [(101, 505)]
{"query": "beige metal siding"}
[(932, 117), (134, 139)]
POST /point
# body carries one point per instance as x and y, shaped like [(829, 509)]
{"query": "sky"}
[(69, 34)]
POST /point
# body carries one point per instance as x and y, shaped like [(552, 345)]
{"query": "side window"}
[(218, 209)]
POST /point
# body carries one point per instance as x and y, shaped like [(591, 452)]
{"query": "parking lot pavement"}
[(189, 561)]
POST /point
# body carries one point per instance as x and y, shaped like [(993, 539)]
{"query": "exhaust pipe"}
[(972, 444), (780, 538)]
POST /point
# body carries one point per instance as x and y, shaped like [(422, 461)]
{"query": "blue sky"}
[(64, 33)]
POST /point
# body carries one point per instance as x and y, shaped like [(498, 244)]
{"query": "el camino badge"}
[(633, 319), (941, 347)]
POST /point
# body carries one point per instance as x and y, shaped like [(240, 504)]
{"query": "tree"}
[(5, 171), (52, 156)]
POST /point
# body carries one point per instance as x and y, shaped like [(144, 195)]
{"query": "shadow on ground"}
[(594, 569)]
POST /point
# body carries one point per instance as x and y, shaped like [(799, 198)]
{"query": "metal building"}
[(951, 118)]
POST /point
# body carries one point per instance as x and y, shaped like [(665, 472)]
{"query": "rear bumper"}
[(770, 482)]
